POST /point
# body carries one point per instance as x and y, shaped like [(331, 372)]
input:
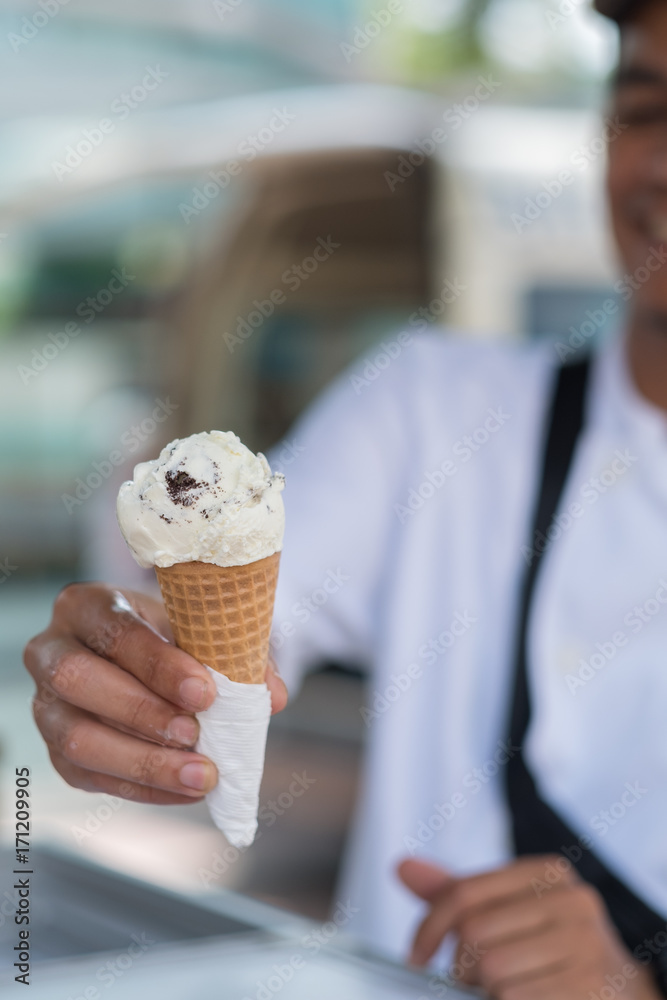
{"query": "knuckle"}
[(140, 713), (588, 901), (31, 651), (73, 741), (67, 671), (66, 772), (471, 929), (38, 709), (44, 696), (152, 668), (148, 766), (74, 776), (560, 863), (66, 598), (491, 966), (107, 641), (110, 633), (45, 715), (119, 630), (563, 867), (462, 896)]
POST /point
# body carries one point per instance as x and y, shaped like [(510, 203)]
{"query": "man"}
[(413, 547)]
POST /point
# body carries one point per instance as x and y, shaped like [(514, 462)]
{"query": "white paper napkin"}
[(233, 735)]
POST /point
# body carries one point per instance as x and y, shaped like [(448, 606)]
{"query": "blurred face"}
[(638, 157)]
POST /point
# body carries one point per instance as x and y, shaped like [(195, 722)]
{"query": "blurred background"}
[(208, 208)]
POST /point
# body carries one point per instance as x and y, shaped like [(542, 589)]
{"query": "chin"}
[(652, 310), (658, 320)]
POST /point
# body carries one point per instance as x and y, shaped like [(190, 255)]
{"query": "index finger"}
[(463, 896), (522, 877), (107, 623)]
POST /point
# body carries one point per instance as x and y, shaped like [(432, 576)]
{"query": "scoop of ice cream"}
[(207, 498)]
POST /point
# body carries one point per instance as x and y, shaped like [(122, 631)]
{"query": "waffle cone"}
[(222, 615)]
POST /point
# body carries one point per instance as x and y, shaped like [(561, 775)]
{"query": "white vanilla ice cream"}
[(207, 498)]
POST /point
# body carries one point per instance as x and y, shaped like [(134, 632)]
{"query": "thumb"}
[(423, 878), (276, 686)]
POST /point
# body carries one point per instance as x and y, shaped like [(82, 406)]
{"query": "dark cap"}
[(619, 10)]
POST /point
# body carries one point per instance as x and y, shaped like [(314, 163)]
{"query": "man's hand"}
[(525, 933), (115, 698)]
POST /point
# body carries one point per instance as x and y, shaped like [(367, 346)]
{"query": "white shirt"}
[(368, 580)]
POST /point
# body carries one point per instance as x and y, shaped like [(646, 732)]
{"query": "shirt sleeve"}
[(341, 463)]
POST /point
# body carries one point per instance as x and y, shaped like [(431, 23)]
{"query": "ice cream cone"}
[(221, 615), (208, 514)]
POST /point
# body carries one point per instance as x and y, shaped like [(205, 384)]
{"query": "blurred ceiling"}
[(77, 58)]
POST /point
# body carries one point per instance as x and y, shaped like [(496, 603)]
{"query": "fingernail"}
[(182, 730), (194, 693), (197, 776)]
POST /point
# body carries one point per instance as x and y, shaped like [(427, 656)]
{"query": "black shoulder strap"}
[(566, 421), (536, 827)]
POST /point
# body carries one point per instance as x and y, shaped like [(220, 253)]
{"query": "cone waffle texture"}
[(222, 615)]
